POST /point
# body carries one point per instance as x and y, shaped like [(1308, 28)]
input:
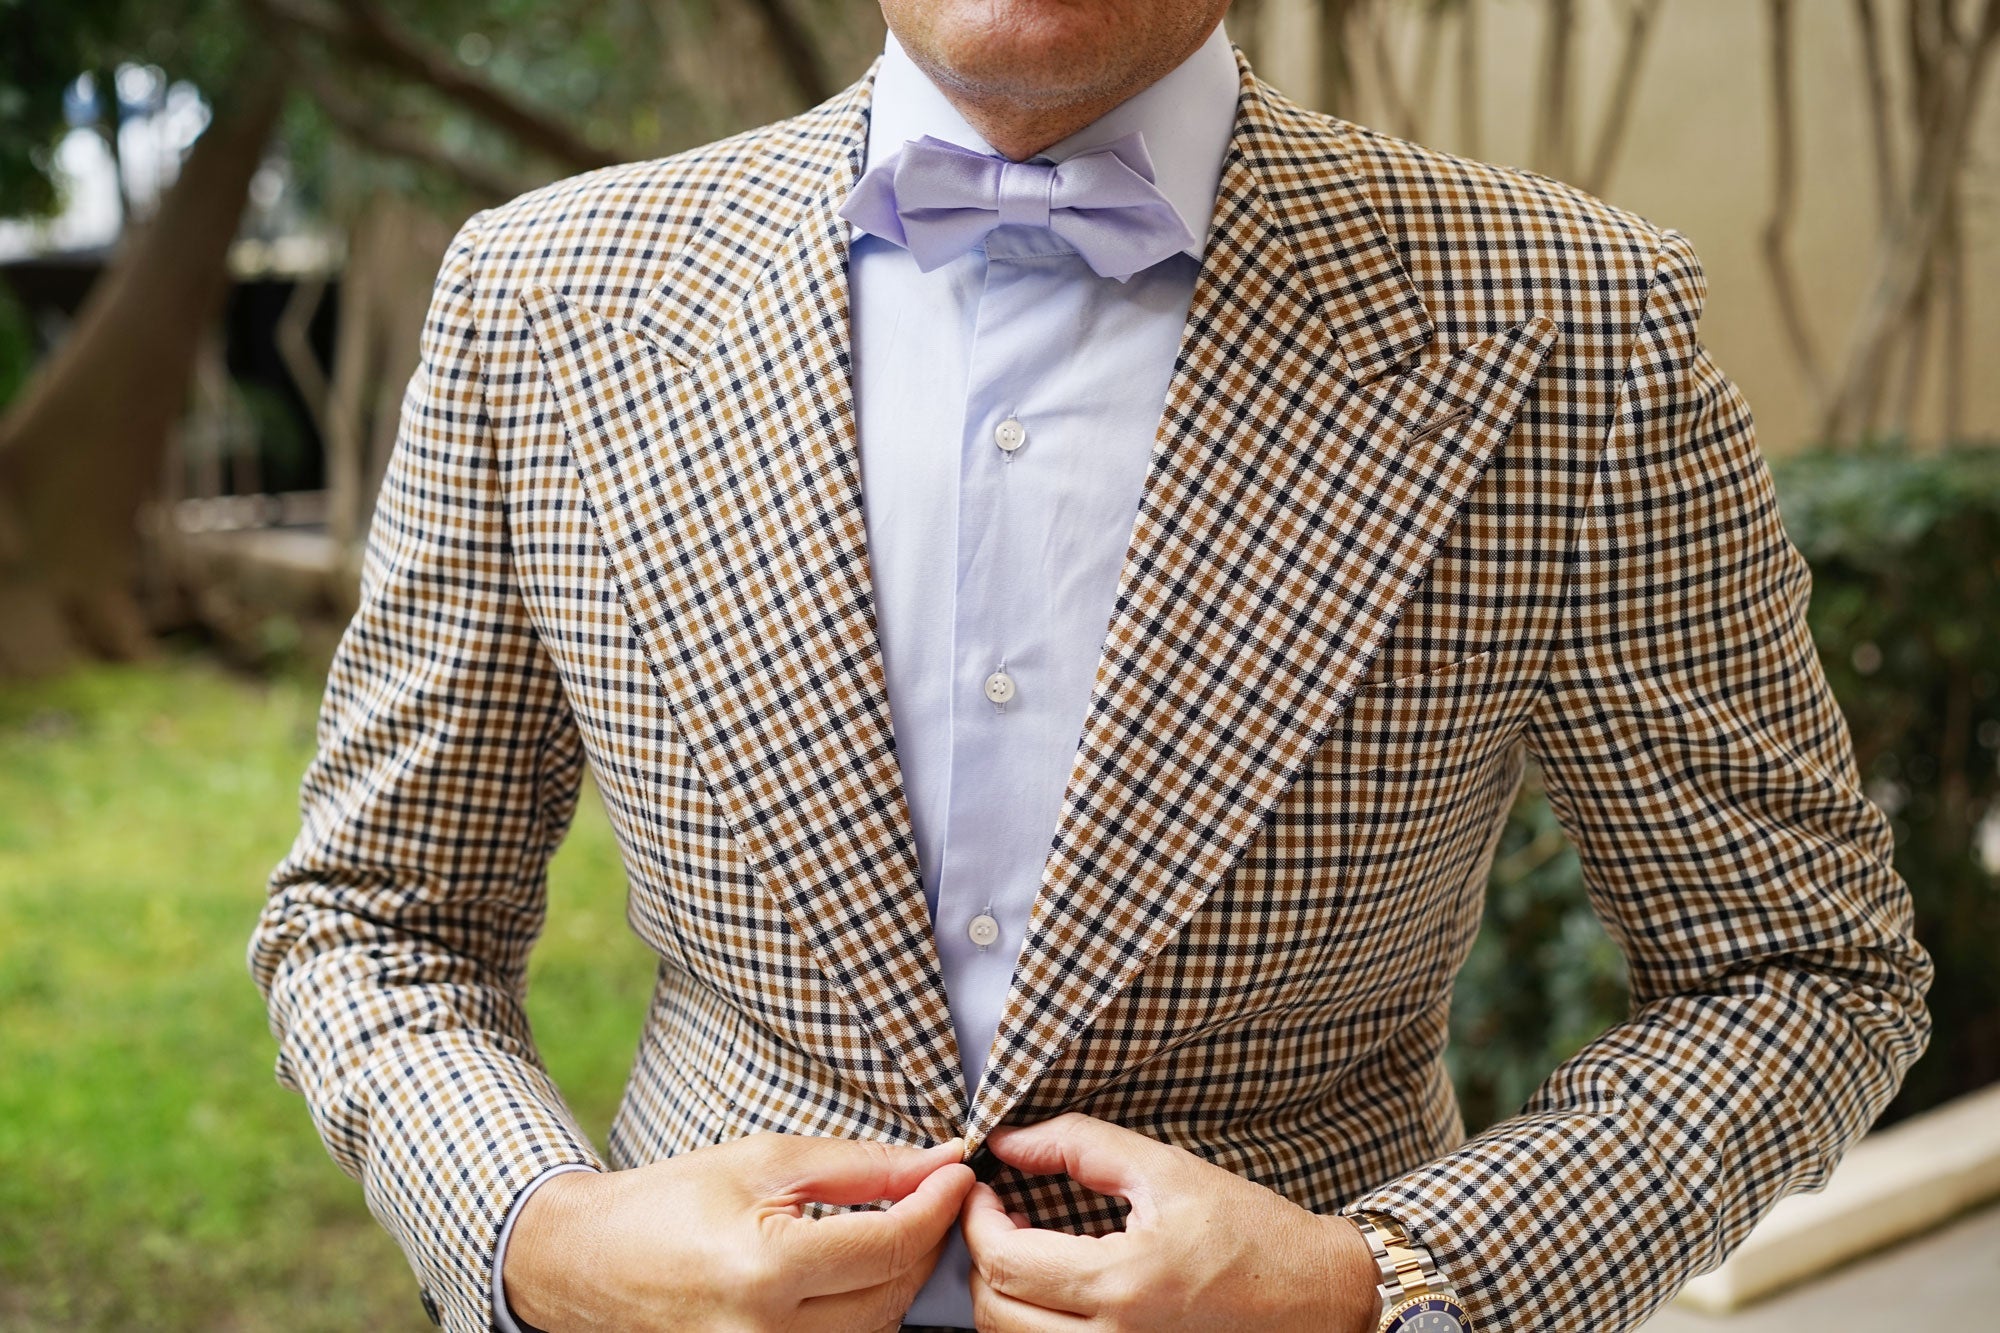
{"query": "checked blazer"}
[(1444, 479)]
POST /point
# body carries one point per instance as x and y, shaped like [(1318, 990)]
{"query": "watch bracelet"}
[(1397, 1278)]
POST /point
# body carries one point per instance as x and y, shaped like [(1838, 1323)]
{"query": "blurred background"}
[(219, 220)]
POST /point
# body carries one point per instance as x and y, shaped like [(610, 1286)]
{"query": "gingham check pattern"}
[(1444, 476)]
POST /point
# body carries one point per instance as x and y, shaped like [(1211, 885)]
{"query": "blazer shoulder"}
[(1488, 244), (609, 236), (1502, 196)]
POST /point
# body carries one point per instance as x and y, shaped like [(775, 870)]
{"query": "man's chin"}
[(1027, 51), (1027, 69)]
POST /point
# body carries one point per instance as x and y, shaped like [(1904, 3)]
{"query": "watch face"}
[(1427, 1314)]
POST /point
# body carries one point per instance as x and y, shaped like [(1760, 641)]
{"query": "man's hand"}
[(717, 1238), (1203, 1248)]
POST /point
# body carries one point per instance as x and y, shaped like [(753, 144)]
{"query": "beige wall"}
[(1698, 159)]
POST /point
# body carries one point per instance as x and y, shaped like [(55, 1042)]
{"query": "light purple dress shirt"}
[(1007, 404)]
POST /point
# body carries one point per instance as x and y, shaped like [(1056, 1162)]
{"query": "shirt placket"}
[(996, 827)]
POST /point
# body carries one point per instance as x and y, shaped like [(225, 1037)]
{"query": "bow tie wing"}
[(872, 207), (1097, 181), (945, 197), (932, 198), (1115, 217)]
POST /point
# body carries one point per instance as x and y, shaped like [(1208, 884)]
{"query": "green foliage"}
[(1905, 550), (1542, 979), (275, 435), (17, 346), (598, 67), (632, 77), (50, 43), (152, 1173)]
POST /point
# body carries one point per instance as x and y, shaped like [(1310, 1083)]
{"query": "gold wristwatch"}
[(1415, 1299)]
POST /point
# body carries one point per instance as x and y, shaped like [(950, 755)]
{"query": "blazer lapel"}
[(715, 437), (1302, 479)]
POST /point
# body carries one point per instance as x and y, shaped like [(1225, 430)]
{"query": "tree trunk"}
[(1951, 77), (1554, 150), (82, 447)]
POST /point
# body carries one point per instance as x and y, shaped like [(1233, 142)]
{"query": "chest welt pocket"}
[(1441, 721)]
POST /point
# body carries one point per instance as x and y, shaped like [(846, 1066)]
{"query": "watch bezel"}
[(1430, 1302)]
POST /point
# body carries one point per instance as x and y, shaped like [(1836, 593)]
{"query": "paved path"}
[(1947, 1280)]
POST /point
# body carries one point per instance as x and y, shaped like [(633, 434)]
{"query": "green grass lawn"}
[(152, 1173)]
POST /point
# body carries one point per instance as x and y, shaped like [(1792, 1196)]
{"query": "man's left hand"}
[(1202, 1248)]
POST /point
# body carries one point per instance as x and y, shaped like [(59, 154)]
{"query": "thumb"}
[(1095, 1153), (849, 1171), (859, 1250)]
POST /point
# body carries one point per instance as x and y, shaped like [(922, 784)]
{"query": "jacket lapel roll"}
[(1297, 492), (716, 442)]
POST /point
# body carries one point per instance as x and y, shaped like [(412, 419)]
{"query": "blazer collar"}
[(1303, 474), (714, 434), (1311, 204)]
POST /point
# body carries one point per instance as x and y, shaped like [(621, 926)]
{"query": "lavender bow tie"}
[(938, 201)]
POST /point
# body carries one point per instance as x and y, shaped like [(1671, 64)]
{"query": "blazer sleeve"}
[(1696, 757), (392, 949)]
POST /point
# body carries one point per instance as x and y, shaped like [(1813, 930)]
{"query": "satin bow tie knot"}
[(938, 201)]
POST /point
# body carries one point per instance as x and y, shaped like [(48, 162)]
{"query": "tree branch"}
[(1469, 49), (1784, 199), (1402, 116), (1339, 20), (797, 51), (1553, 142), (362, 31), (360, 124), (1958, 64), (1956, 320), (1624, 91), (1423, 95), (1870, 30), (1912, 348)]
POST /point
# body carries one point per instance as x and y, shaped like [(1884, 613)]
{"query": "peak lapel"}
[(1297, 493), (715, 438)]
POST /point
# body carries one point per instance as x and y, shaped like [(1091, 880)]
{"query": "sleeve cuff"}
[(503, 1318)]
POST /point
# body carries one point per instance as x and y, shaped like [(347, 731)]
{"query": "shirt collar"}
[(1187, 118)]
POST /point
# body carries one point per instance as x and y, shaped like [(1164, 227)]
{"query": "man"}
[(1054, 559)]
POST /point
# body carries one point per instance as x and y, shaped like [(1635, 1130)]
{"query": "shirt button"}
[(982, 930), (999, 687), (1010, 435)]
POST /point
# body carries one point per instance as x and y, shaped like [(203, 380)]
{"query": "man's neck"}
[(1019, 127), (1018, 132)]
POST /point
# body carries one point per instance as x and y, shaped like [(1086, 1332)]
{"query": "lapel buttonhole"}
[(1438, 424)]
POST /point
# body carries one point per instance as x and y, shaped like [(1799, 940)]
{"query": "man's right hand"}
[(717, 1238)]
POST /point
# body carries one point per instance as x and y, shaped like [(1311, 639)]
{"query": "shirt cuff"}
[(503, 1318)]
